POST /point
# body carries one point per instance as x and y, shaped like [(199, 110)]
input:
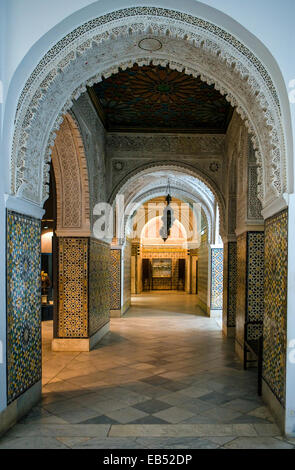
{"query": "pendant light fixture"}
[(168, 217)]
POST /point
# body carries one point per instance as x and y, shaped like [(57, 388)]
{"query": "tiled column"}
[(126, 277), (216, 281), (275, 316), (120, 279), (82, 293), (115, 280), (250, 280), (203, 299), (20, 388), (23, 305), (229, 288), (136, 257)]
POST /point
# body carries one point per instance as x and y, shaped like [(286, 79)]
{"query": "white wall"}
[(29, 20)]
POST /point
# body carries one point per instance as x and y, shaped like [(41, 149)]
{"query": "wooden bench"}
[(255, 347)]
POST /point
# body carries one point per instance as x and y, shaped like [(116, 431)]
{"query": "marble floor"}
[(164, 377)]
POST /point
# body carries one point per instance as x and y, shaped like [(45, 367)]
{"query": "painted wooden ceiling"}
[(157, 99)]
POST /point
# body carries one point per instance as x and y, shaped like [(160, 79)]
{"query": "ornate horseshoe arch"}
[(204, 190), (206, 182), (179, 194), (143, 35)]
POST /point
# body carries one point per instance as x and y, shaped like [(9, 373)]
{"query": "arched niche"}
[(70, 170)]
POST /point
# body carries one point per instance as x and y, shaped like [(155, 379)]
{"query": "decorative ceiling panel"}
[(157, 99)]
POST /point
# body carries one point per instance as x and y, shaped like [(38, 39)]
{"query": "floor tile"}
[(126, 415), (101, 419), (176, 385), (152, 406), (150, 419), (174, 414), (215, 398)]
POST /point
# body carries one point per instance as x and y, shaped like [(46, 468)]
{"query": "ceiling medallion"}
[(150, 44)]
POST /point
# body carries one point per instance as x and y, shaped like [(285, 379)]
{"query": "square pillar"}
[(275, 356), (81, 316), (120, 279), (216, 282), (250, 287), (229, 288), (23, 264), (21, 353)]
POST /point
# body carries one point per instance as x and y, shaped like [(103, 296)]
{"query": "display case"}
[(161, 273), (162, 267)]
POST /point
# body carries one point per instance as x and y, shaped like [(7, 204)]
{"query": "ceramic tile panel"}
[(127, 273), (216, 278), (99, 285), (255, 281), (232, 283), (241, 286), (275, 317), (115, 279), (229, 283), (72, 287), (23, 303)]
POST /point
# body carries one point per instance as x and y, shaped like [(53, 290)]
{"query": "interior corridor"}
[(163, 377)]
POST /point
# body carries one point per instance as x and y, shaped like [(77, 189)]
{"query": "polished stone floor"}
[(164, 377)]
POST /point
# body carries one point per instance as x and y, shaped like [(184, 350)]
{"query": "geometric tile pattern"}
[(241, 286), (72, 287), (250, 282), (203, 269), (23, 303), (216, 278), (115, 279), (127, 272), (99, 285), (255, 281), (232, 284), (274, 328)]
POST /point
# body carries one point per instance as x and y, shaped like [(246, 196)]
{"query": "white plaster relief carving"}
[(79, 60), (70, 170)]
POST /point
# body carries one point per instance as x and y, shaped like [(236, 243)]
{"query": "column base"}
[(79, 344), (20, 407), (239, 349), (229, 331), (203, 307), (120, 312), (274, 405)]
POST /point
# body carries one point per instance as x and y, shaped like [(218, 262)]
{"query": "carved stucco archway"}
[(71, 177), (187, 43), (134, 188)]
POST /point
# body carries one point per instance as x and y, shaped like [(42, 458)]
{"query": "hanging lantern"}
[(168, 217)]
